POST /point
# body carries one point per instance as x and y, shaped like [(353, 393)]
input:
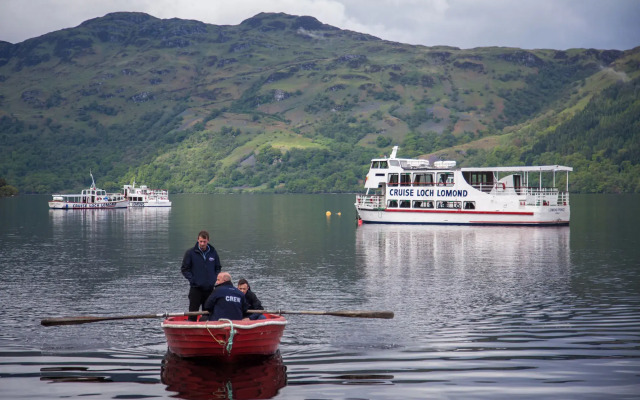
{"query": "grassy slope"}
[(129, 95)]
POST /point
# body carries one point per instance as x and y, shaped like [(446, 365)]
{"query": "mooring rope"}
[(231, 334), (229, 343), (229, 390)]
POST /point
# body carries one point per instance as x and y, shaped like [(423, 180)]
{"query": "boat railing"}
[(499, 188), (370, 202), (483, 187), (563, 198), (423, 184), (535, 196), (547, 197)]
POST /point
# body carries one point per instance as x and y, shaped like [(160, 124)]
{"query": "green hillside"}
[(288, 104)]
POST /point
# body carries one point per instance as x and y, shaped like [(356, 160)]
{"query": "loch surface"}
[(480, 312)]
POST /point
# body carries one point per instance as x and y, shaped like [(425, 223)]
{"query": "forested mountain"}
[(288, 104)]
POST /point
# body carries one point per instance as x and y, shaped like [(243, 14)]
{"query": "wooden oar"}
[(352, 314), (88, 319)]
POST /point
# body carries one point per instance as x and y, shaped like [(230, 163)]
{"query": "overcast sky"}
[(528, 24)]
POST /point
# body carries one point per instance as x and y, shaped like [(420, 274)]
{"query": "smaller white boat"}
[(92, 198), (144, 197)]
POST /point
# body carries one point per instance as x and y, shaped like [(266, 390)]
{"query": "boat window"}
[(449, 204), (517, 181), (479, 180), (405, 179), (445, 178), (392, 203), (469, 205), (481, 177), (423, 179), (405, 204), (393, 179), (422, 204), (379, 165), (394, 163)]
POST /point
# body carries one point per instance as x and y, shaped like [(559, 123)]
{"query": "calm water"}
[(484, 312)]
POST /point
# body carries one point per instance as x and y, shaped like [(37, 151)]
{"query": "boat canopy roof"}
[(423, 163), (537, 168)]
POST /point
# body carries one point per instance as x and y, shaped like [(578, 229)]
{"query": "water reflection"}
[(130, 231), (135, 219), (452, 275), (444, 246), (204, 379), (91, 237), (98, 367)]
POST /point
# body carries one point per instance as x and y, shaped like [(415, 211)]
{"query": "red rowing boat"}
[(224, 339)]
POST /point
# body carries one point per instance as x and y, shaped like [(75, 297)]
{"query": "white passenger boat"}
[(411, 191), (92, 198), (144, 197)]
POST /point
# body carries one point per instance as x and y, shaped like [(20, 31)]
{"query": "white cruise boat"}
[(145, 197), (92, 198), (411, 191)]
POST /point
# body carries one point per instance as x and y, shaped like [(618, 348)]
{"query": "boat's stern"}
[(224, 339)]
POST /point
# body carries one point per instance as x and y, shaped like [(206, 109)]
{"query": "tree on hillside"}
[(7, 190)]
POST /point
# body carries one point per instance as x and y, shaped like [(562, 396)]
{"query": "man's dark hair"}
[(204, 235), (242, 281)]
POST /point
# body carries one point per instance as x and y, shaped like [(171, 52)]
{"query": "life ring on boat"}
[(504, 187)]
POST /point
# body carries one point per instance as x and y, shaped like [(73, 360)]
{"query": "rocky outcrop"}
[(468, 65), (522, 58), (142, 97)]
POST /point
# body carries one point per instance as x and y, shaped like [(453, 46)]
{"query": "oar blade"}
[(87, 319), (363, 314), (350, 314), (71, 320)]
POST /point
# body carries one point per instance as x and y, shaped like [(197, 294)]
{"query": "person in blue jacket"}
[(226, 301), (201, 266)]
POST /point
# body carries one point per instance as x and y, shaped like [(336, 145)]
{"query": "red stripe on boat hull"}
[(455, 212)]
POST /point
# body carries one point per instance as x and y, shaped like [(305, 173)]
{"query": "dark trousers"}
[(197, 297)]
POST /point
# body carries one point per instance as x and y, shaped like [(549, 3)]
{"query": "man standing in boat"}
[(201, 266)]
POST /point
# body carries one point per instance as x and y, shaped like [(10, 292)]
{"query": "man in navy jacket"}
[(226, 301), (201, 266)]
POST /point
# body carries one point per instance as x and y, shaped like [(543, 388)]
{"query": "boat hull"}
[(64, 205), (224, 339), (533, 216), (150, 203)]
